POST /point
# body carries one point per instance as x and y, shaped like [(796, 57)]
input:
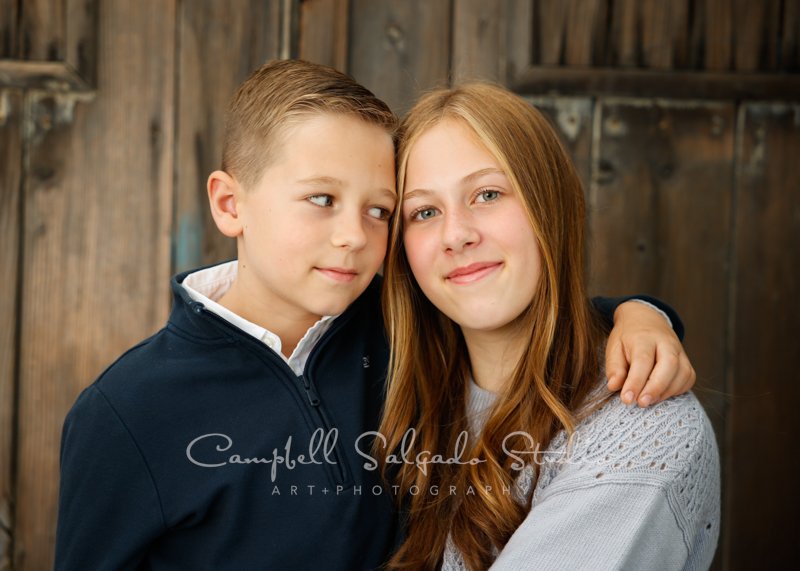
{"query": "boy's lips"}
[(472, 273), (339, 274)]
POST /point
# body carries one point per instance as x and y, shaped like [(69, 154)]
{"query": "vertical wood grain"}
[(624, 39), (520, 50), (548, 30), (98, 195), (748, 30), (220, 44), (479, 40), (790, 36), (665, 29), (718, 36), (10, 179), (660, 222), (762, 502), (8, 29), (572, 118), (771, 36), (42, 31), (585, 21), (324, 27), (399, 49), (82, 36)]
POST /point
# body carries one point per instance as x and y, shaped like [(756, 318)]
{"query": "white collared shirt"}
[(209, 285)]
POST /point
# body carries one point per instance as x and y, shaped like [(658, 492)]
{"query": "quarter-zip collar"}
[(207, 285)]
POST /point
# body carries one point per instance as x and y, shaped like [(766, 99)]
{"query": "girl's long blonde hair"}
[(429, 367)]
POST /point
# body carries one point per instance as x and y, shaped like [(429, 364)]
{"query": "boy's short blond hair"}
[(277, 95)]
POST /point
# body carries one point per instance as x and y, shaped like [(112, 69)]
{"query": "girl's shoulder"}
[(669, 445), (659, 440)]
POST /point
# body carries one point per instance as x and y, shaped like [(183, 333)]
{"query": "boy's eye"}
[(423, 214), (379, 213), (321, 199), (487, 196)]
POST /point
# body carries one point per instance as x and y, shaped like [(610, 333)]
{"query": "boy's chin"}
[(332, 306)]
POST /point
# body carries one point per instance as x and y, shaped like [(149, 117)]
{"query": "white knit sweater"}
[(639, 489)]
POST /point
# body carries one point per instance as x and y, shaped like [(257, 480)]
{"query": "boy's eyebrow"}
[(467, 179), (322, 181), (333, 181)]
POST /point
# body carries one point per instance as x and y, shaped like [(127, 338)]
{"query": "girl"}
[(526, 463)]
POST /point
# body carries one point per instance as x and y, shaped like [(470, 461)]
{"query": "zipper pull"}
[(313, 398)]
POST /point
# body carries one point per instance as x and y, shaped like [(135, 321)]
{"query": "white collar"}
[(210, 284)]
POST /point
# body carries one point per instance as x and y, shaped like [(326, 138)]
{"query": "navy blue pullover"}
[(132, 498), (179, 456)]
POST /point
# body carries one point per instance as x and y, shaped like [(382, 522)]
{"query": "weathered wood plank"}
[(8, 28), (664, 36), (748, 31), (324, 26), (549, 29), (520, 50), (42, 32), (585, 21), (479, 40), (96, 253), (572, 118), (10, 180), (762, 516), (657, 84), (718, 37), (81, 43), (660, 220), (55, 46), (790, 34), (624, 36), (758, 35), (771, 36), (399, 49), (52, 76), (221, 43)]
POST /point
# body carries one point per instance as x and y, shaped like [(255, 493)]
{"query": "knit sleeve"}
[(640, 491), (109, 511), (607, 526)]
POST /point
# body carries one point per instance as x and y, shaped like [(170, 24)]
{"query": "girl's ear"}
[(224, 195)]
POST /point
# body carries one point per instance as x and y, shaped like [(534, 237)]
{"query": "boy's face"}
[(314, 228)]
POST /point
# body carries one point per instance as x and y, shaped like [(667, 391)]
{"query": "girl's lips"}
[(472, 273), (343, 275)]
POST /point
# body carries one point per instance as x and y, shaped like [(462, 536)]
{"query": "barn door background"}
[(683, 117)]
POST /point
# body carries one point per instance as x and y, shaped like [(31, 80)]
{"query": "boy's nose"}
[(458, 231), (348, 232)]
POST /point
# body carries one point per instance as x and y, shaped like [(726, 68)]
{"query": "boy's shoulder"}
[(193, 344), (146, 365)]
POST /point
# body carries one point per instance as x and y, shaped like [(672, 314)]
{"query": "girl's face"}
[(467, 236)]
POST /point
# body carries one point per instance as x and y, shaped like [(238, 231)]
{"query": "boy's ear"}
[(224, 193)]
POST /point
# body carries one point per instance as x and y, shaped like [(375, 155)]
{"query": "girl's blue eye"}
[(424, 214), (379, 213), (321, 199), (488, 195)]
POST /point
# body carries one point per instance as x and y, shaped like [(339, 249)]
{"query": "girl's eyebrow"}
[(467, 179), (417, 192), (482, 172)]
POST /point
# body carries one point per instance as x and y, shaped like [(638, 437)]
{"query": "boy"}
[(228, 440)]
